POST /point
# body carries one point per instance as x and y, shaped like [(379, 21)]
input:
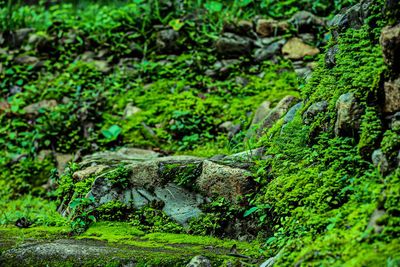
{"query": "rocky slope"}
[(311, 104)]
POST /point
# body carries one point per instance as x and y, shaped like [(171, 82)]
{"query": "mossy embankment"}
[(104, 77)]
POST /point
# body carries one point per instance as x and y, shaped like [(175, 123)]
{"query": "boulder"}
[(295, 48), (224, 181), (233, 45), (392, 96), (305, 21), (199, 261), (271, 27), (390, 43), (282, 107), (313, 111), (349, 112), (393, 120), (267, 52)]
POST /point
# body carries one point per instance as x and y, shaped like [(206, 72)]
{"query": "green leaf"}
[(213, 6), (176, 24), (112, 132), (250, 211), (75, 202)]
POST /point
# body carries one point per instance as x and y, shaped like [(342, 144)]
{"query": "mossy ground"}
[(132, 245)]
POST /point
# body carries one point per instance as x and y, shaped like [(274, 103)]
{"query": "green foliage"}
[(390, 144), (119, 177), (219, 213), (151, 219), (35, 209), (182, 175), (113, 211), (371, 130)]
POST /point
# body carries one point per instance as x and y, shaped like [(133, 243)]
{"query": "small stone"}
[(33, 109), (25, 59), (199, 261), (305, 21), (270, 27), (167, 40), (295, 48), (267, 52), (330, 56), (130, 110), (392, 96), (225, 126), (233, 45), (380, 161), (261, 113)]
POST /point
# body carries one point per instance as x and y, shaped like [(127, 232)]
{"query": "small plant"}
[(119, 177)]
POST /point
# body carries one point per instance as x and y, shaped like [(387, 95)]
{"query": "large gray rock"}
[(227, 182), (392, 96), (233, 45), (390, 43), (282, 107), (349, 112)]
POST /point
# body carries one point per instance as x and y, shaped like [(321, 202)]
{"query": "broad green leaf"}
[(213, 6), (250, 211)]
